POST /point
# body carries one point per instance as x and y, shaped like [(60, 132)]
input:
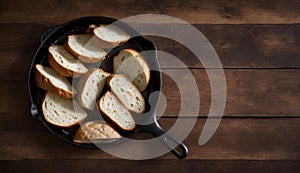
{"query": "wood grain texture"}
[(174, 166), (258, 44), (250, 92), (238, 46), (235, 139), (192, 11)]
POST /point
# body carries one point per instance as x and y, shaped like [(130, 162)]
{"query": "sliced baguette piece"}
[(90, 86), (64, 62), (84, 49), (91, 28), (112, 108), (96, 132), (62, 112), (110, 36), (126, 92), (49, 80), (132, 64)]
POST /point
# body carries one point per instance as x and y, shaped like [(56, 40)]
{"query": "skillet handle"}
[(46, 33), (168, 140)]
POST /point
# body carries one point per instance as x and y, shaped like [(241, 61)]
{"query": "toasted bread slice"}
[(110, 36), (91, 28), (90, 86), (126, 92), (49, 80), (132, 64), (111, 107), (96, 132), (62, 112), (65, 63), (84, 49)]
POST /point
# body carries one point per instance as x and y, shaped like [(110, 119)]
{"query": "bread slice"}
[(96, 132), (91, 28), (49, 80), (110, 36), (129, 95), (65, 63), (90, 86), (132, 64), (111, 107), (62, 112), (84, 49)]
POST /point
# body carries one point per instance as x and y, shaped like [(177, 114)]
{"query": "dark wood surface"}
[(258, 44), (192, 11)]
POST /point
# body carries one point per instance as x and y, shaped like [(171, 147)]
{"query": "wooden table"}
[(258, 43)]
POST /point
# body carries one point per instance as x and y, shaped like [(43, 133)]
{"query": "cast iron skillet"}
[(148, 122)]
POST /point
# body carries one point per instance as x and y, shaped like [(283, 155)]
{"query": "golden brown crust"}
[(46, 84), (49, 121), (86, 133), (82, 82), (108, 79), (57, 67), (142, 62), (107, 44), (109, 86), (108, 117), (76, 55), (144, 65), (103, 44), (82, 57), (60, 69), (68, 48), (91, 29)]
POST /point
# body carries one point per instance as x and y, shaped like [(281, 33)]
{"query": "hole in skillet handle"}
[(168, 140)]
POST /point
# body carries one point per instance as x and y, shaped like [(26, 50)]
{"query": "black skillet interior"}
[(58, 35)]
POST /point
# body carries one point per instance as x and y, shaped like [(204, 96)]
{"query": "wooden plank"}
[(236, 139), (192, 11), (250, 92), (148, 166), (238, 46)]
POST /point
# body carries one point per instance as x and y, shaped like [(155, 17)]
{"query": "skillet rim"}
[(50, 33)]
